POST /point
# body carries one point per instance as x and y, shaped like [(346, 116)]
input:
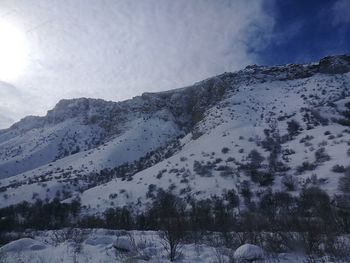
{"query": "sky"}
[(118, 49)]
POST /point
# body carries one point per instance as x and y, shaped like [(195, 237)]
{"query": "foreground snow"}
[(102, 245)]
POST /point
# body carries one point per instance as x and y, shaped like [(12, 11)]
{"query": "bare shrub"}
[(172, 240), (222, 255), (338, 168), (290, 182)]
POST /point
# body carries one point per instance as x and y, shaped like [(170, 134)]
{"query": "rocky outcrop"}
[(335, 65)]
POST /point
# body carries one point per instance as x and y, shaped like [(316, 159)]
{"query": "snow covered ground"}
[(102, 246)]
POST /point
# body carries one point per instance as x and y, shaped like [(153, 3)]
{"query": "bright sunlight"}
[(13, 51)]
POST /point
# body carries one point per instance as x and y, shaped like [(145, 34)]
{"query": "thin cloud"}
[(11, 104), (341, 11)]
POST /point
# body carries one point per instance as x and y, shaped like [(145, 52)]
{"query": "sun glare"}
[(13, 52)]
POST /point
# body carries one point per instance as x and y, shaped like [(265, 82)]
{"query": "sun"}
[(13, 51)]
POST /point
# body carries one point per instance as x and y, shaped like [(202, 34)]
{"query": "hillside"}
[(282, 127)]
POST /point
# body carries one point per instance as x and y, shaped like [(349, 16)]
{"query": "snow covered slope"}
[(196, 141)]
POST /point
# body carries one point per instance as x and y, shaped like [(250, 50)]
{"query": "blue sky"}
[(118, 49), (307, 30)]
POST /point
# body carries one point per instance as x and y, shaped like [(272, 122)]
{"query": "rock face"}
[(248, 253), (82, 124), (335, 65)]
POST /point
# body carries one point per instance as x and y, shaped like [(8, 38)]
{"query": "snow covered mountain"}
[(282, 127)]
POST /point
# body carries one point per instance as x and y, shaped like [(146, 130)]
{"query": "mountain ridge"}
[(328, 65), (81, 146)]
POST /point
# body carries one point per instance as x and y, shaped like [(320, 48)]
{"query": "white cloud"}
[(5, 121), (341, 12), (12, 104), (119, 49)]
